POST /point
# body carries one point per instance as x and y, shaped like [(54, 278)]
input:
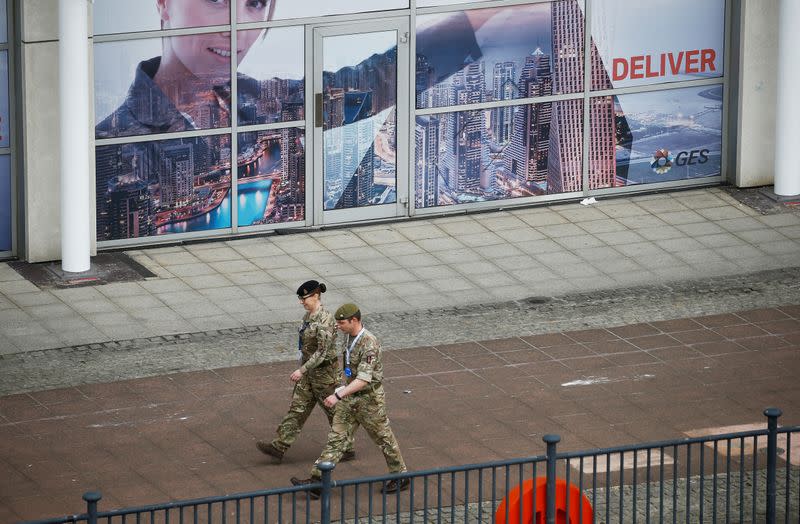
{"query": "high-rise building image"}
[(527, 154), (565, 171), (503, 89), (470, 129), (129, 202), (176, 174), (426, 154)]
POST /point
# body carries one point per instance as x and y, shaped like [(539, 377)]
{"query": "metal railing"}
[(733, 477)]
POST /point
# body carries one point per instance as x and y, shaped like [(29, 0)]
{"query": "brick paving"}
[(192, 434)]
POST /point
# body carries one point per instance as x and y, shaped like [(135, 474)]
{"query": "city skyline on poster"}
[(495, 45), (359, 120), (520, 150), (184, 185)]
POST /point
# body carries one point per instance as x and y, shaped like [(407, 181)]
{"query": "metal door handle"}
[(318, 110)]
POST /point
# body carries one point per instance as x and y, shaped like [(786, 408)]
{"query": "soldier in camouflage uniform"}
[(361, 401), (316, 378)]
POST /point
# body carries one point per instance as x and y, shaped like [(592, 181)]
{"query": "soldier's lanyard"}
[(300, 336), (347, 371)]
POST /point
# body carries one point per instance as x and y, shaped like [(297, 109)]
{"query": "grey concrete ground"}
[(144, 357), (414, 266)]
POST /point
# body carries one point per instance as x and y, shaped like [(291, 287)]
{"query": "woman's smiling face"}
[(209, 54)]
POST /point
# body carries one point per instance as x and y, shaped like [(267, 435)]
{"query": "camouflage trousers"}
[(309, 391), (368, 410)]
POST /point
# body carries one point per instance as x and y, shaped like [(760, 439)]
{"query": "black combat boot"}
[(267, 448), (314, 493)]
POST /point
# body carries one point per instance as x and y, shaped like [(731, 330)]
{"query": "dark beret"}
[(309, 288)]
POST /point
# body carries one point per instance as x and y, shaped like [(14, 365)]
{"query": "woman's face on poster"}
[(209, 54)]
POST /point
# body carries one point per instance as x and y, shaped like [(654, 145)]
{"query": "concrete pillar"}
[(73, 70), (787, 128)]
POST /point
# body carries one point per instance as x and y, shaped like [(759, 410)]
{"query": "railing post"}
[(91, 498), (550, 507), (325, 497), (772, 415)]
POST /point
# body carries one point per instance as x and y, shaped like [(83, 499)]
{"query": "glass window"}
[(271, 81), (647, 42), (5, 116), (3, 22), (162, 85), (662, 136), (360, 120), (503, 53), (307, 8), (469, 156), (5, 203), (271, 176), (162, 187), (125, 16)]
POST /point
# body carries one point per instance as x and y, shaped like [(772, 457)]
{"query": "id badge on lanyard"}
[(300, 338), (348, 372)]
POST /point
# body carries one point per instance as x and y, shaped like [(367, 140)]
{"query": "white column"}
[(787, 131), (73, 83)]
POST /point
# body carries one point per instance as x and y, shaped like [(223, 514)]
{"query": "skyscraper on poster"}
[(565, 162)]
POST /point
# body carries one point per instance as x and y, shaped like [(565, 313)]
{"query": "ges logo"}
[(662, 160)]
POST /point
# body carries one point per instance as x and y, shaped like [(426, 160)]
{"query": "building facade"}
[(243, 117)]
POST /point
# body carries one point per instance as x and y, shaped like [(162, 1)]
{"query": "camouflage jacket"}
[(364, 360), (317, 339)]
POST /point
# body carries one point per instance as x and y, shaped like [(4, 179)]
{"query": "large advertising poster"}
[(511, 151), (162, 187), (668, 135), (183, 83), (645, 42)]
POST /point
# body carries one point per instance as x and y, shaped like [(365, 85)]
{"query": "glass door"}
[(361, 115)]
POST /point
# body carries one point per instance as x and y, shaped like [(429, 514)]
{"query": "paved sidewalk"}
[(190, 435), (409, 266)]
